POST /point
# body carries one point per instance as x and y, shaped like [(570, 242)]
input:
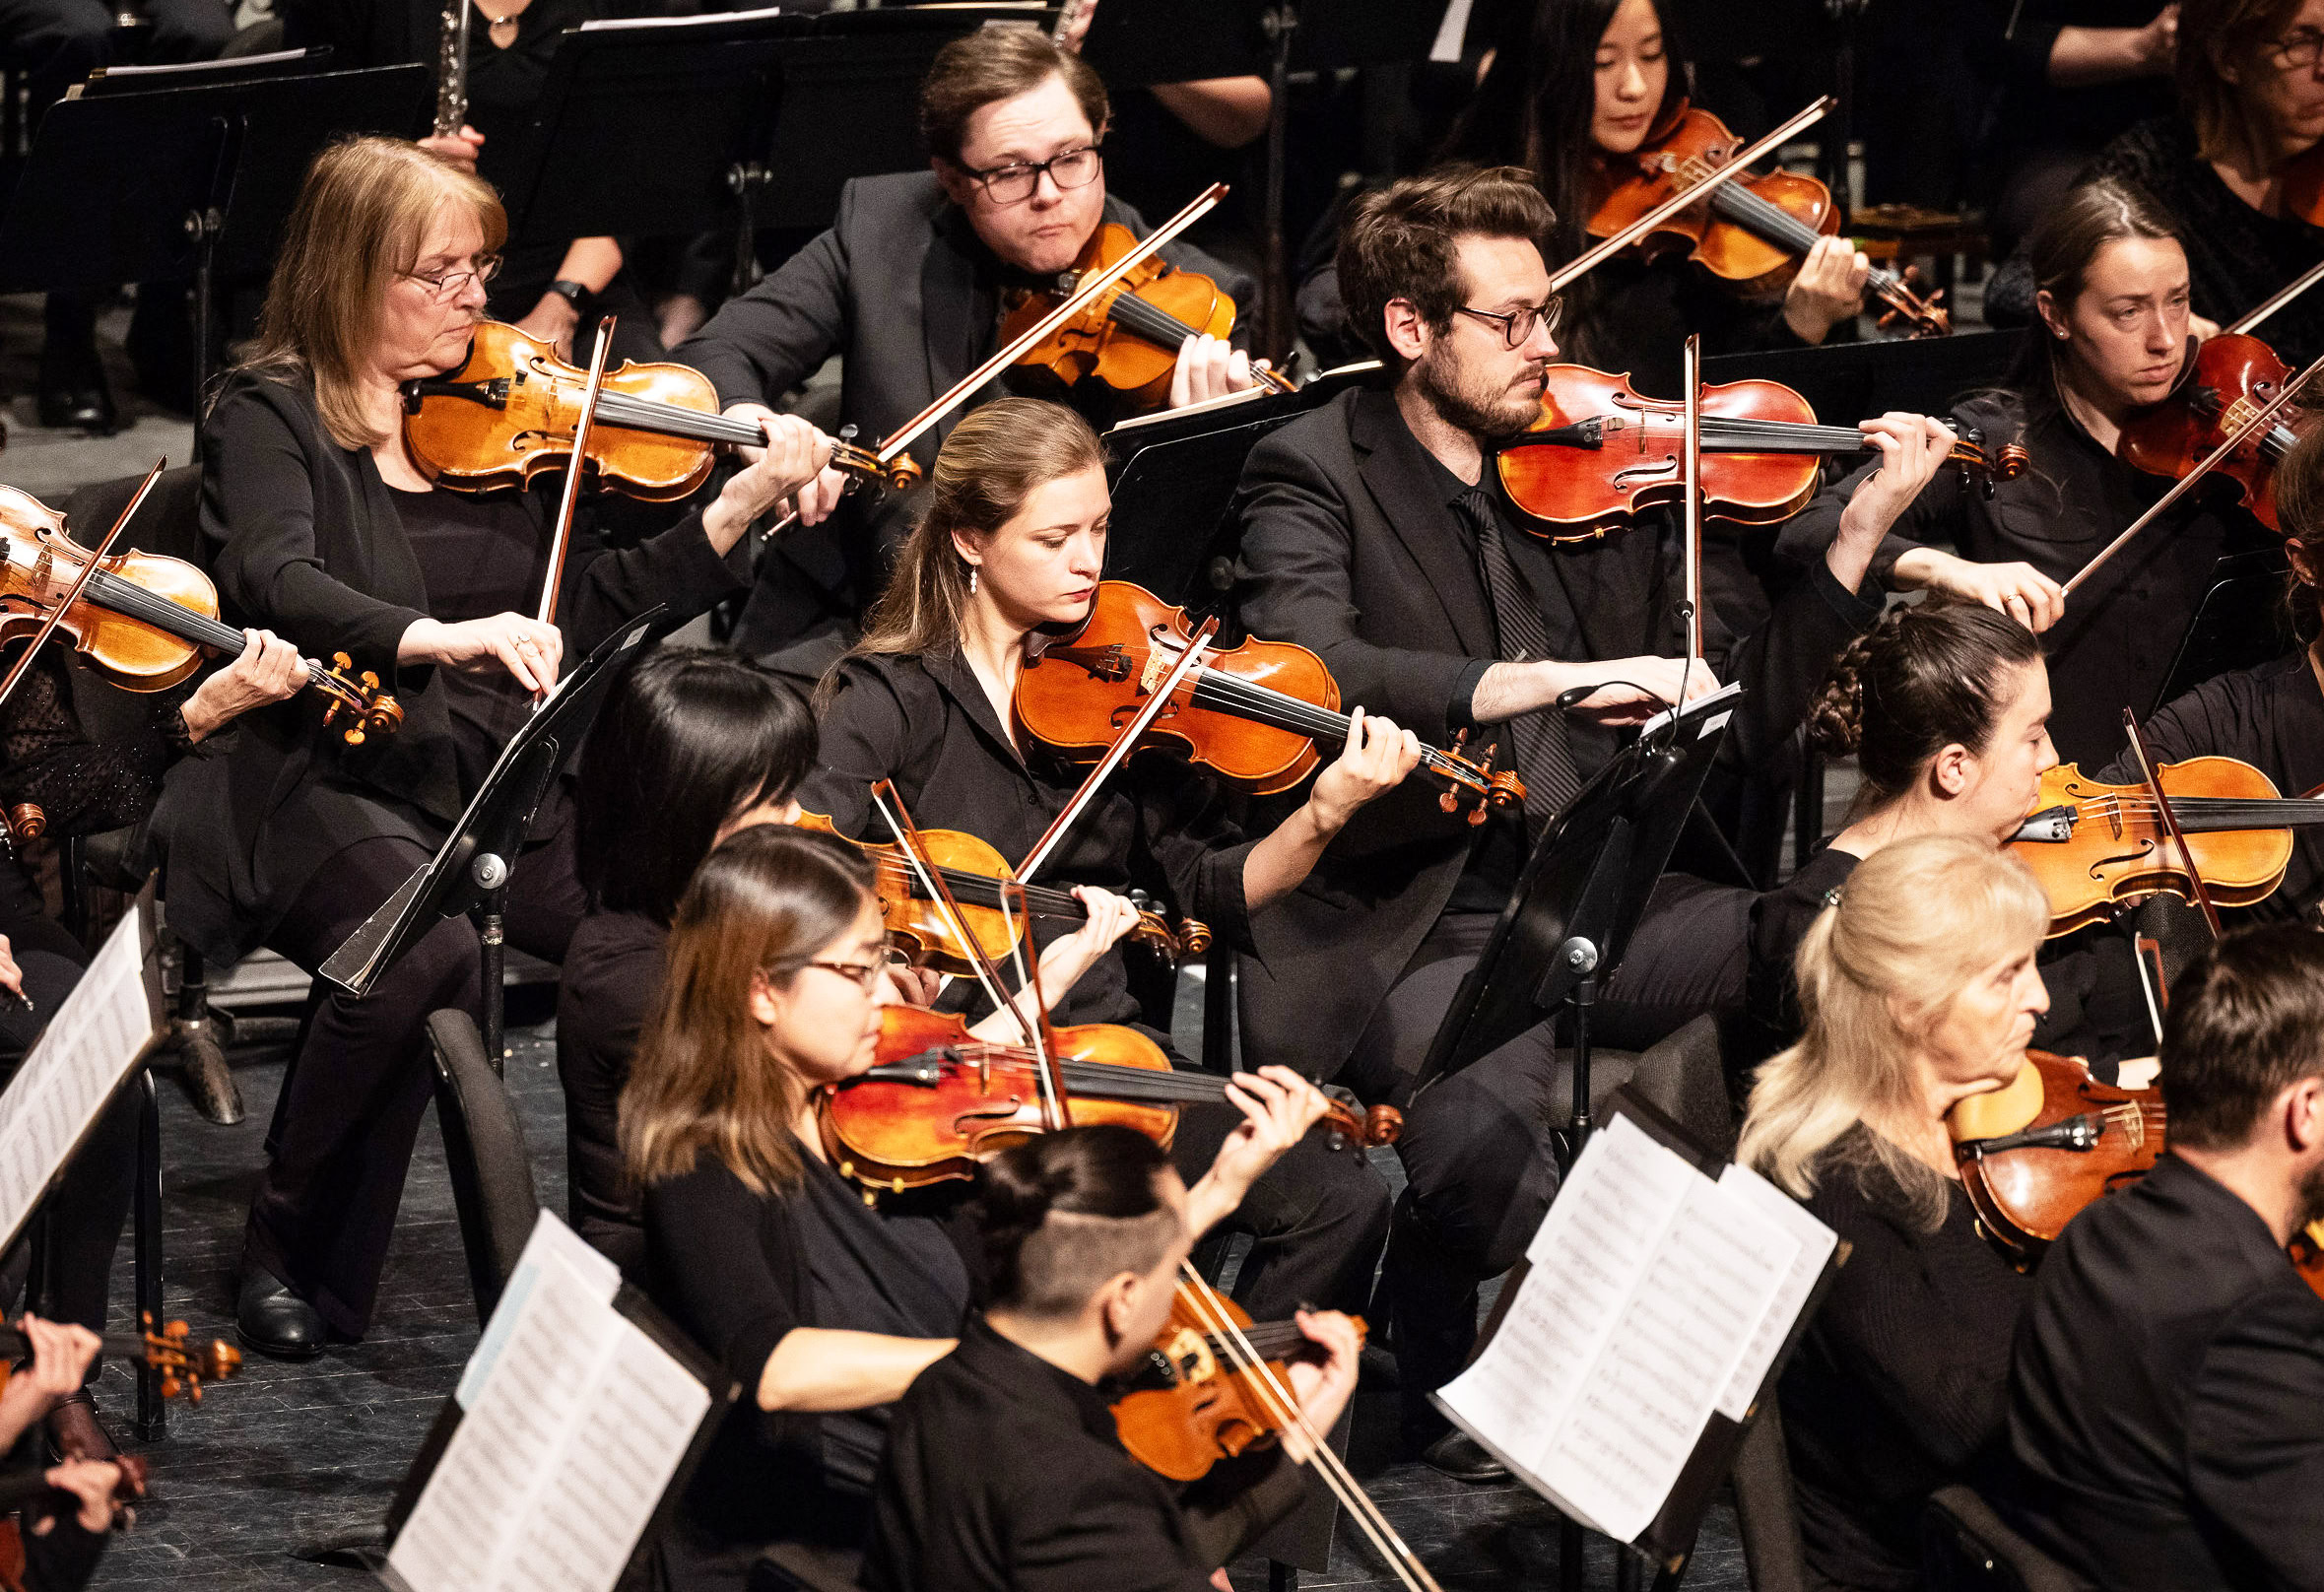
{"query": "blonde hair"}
[(1913, 924), (760, 907), (997, 457), (360, 217)]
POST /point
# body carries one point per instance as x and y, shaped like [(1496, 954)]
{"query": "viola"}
[(509, 414), (1127, 337), (2097, 848), (938, 1102), (974, 871), (2034, 1154), (1755, 230), (2227, 382), (1599, 452), (145, 620), (1258, 712)]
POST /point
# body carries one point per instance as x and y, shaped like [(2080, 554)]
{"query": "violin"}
[(938, 1102), (2224, 383), (1257, 712), (974, 871), (2097, 848), (1599, 452), (144, 620), (2033, 1154), (1192, 1402), (1127, 337), (509, 414), (1755, 228)]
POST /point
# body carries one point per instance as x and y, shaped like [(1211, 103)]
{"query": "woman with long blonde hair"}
[(321, 525), (1919, 987)]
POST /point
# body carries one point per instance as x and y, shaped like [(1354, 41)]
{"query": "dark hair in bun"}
[(1924, 678), (1063, 1211)]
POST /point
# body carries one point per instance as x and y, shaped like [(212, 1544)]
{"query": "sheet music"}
[(563, 1452), (1451, 34), (550, 1243), (1816, 1244), (89, 1045)]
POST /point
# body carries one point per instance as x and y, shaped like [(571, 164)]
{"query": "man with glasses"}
[(908, 288), (1376, 532)]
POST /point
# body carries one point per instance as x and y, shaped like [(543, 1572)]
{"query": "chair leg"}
[(468, 1197), (1282, 1577), (194, 1037), (152, 1411)]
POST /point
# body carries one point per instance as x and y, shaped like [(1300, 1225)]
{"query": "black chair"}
[(1966, 1548), (492, 1171), (1767, 1509), (798, 1567)]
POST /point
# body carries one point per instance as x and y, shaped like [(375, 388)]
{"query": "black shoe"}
[(86, 406), (1460, 1456), (276, 1321), (73, 395)]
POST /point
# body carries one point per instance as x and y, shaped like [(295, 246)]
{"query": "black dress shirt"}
[(1003, 1473), (610, 977), (928, 724), (2115, 646), (2166, 1396), (1900, 1384)]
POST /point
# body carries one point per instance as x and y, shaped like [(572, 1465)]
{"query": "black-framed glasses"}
[(450, 285), (863, 974), (1517, 326), (2297, 50), (1013, 184)]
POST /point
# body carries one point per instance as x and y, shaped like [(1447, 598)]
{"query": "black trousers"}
[(362, 1080), (57, 43)]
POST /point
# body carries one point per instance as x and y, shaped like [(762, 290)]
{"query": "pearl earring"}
[(971, 581)]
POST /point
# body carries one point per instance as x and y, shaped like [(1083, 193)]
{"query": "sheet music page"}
[(88, 1047), (1589, 1259), (1815, 1244), (1629, 1434), (551, 1242), (563, 1452)]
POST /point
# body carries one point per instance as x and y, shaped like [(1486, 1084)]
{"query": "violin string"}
[(1286, 1412), (1246, 698), (633, 414), (976, 962), (1780, 226)]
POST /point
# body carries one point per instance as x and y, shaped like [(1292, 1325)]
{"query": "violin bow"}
[(1084, 291), (2170, 819), (1746, 158), (1691, 525), (572, 474), (2256, 426), (2275, 300), (88, 574), (1220, 1326), (1048, 1065), (1123, 745)]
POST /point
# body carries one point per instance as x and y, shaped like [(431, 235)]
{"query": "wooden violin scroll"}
[(26, 821), (372, 711)]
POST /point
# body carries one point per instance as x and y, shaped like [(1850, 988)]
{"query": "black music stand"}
[(219, 164), (470, 870), (1843, 381), (1581, 895), (1134, 43)]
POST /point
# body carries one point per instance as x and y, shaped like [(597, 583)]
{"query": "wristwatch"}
[(572, 292)]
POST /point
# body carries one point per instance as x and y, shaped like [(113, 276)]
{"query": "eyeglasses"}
[(1013, 184), (1518, 324), (863, 974), (2297, 50), (445, 286)]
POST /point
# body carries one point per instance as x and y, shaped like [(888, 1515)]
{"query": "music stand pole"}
[(1278, 22)]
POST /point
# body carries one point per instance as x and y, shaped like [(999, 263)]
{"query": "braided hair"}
[(1924, 678)]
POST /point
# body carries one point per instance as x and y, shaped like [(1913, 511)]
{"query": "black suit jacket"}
[(2166, 1396), (904, 292), (1351, 549)]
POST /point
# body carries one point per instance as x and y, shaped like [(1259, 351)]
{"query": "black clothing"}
[(738, 1271), (1004, 1473), (2236, 258), (1779, 920), (1897, 1387), (481, 551), (2121, 633), (612, 975), (1633, 316), (86, 786), (57, 43), (904, 292), (2166, 1396)]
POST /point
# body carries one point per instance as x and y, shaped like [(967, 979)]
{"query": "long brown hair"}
[(2217, 37), (763, 903), (997, 457), (362, 215)]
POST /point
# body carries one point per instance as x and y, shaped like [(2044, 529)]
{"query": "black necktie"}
[(1544, 760)]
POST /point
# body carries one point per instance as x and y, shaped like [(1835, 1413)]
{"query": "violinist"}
[(1919, 989), (1576, 90), (1012, 544), (64, 1534), (1374, 533), (2114, 330), (2250, 79), (2166, 1396), (907, 287), (823, 1305), (1003, 1470), (320, 525)]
